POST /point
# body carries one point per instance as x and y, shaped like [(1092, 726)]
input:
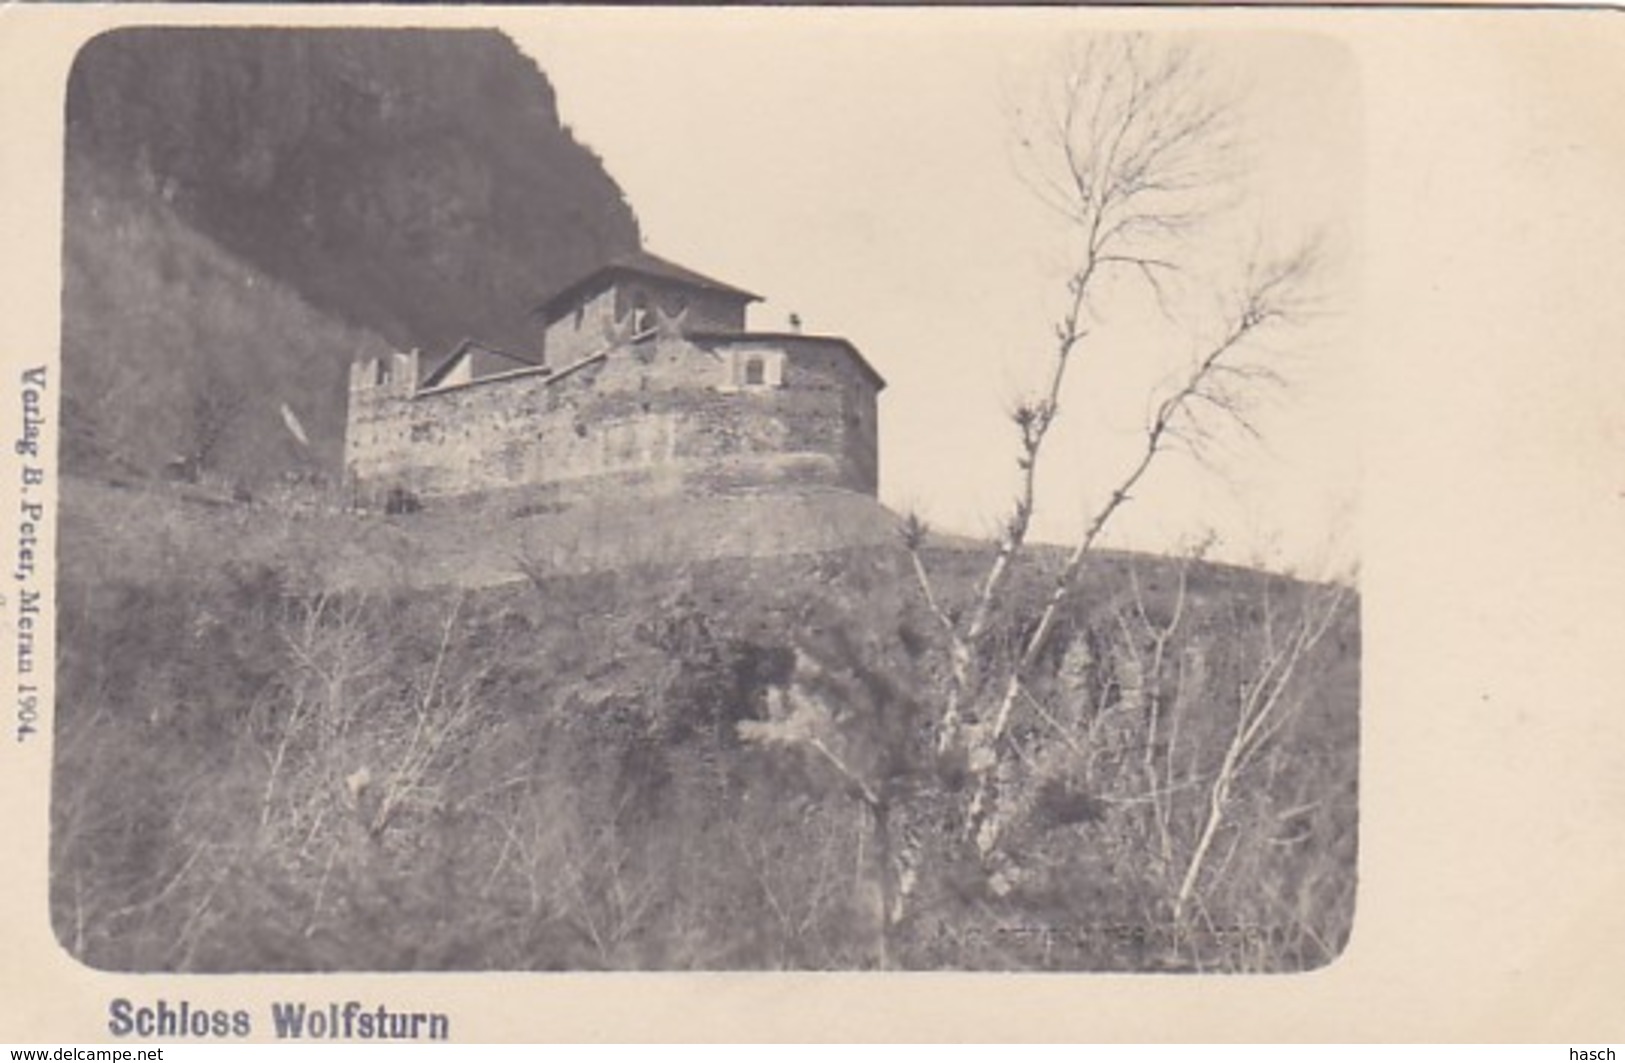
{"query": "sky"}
[(857, 168)]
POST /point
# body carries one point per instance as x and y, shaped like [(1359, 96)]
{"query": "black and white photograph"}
[(453, 580), (773, 492)]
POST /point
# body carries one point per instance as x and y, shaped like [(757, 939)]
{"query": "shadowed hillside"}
[(174, 348), (248, 210), (420, 767)]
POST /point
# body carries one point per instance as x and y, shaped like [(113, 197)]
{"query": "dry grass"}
[(548, 773)]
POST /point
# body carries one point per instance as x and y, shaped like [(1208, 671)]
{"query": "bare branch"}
[(1261, 704), (1137, 151), (1146, 146)]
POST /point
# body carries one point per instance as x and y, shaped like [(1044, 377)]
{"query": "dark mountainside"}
[(249, 210)]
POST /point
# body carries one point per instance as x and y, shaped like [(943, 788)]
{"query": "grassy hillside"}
[(112, 527), (563, 772)]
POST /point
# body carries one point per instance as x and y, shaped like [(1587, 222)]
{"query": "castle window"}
[(755, 369)]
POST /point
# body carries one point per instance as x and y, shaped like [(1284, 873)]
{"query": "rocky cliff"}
[(249, 209)]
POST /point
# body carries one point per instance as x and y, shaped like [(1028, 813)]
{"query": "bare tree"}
[(1188, 743), (1136, 152), (1134, 148), (1263, 706)]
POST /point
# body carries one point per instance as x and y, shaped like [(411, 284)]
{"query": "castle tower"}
[(630, 296), (378, 423)]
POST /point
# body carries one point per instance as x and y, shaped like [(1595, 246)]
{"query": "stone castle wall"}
[(587, 329), (667, 415)]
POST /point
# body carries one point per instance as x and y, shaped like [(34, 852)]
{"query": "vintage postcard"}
[(684, 523)]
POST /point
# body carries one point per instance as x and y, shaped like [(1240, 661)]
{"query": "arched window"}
[(755, 371)]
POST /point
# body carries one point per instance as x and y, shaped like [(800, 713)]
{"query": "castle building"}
[(648, 383)]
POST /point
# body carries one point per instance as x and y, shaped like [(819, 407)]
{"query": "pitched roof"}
[(729, 339), (470, 347), (639, 264)]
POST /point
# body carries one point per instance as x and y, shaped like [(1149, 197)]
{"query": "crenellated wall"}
[(663, 416)]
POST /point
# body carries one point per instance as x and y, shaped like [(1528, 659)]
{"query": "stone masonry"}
[(649, 384)]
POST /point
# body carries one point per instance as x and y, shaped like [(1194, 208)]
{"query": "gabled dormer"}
[(632, 296)]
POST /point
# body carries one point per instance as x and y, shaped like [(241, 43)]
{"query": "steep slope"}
[(174, 348), (409, 186), (559, 773)]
